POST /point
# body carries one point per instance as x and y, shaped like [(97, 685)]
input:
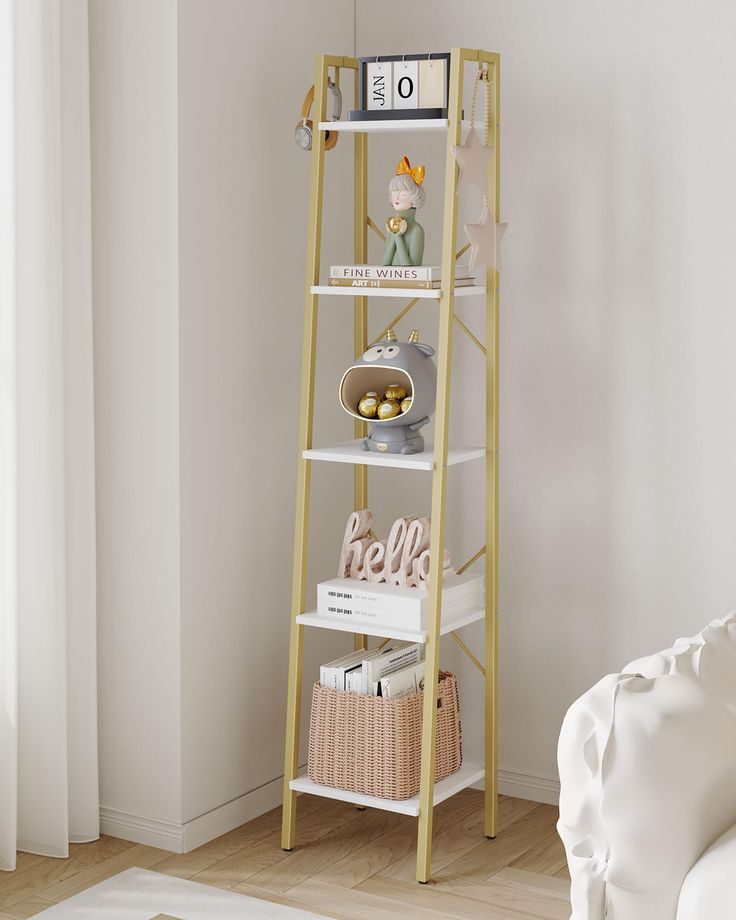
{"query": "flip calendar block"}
[(379, 85), (406, 85), (433, 84), (401, 86)]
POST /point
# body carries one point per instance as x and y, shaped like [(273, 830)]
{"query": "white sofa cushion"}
[(709, 889), (647, 761)]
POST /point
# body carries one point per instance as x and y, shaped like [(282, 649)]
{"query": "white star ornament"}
[(485, 241), (474, 160)]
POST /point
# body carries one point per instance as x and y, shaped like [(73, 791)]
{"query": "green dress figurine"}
[(405, 239)]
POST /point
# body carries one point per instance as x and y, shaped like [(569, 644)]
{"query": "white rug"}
[(138, 894)]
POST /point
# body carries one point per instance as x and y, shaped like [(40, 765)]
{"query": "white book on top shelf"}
[(348, 599), (451, 613), (352, 592)]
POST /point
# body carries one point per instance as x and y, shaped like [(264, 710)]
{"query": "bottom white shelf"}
[(468, 774)]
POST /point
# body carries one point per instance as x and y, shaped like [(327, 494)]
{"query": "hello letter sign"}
[(402, 560)]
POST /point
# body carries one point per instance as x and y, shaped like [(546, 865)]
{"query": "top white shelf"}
[(394, 124)]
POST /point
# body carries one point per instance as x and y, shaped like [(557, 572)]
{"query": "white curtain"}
[(48, 695)]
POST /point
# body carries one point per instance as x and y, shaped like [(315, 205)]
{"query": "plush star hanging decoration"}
[(474, 160), (485, 241)]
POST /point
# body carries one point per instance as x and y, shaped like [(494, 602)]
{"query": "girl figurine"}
[(405, 240)]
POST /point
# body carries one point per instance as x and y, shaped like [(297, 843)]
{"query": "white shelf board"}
[(396, 124), (469, 290), (351, 452), (312, 618), (468, 774), (385, 630)]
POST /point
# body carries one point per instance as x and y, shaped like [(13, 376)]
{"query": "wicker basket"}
[(371, 745)]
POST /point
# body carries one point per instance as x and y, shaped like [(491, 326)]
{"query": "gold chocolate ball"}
[(368, 405), (389, 408), (394, 391), (406, 404), (396, 224)]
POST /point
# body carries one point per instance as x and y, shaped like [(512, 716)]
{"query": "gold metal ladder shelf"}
[(436, 460)]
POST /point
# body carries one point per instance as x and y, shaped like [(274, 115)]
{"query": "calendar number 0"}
[(402, 83)]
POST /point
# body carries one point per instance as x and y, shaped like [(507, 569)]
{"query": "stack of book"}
[(366, 602), (394, 671), (427, 277)]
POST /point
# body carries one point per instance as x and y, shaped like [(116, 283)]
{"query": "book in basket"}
[(347, 672), (402, 656), (360, 671)]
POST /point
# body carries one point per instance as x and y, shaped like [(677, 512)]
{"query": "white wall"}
[(136, 329), (618, 441), (200, 200), (243, 187)]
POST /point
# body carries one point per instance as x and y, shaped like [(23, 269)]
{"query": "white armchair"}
[(647, 762)]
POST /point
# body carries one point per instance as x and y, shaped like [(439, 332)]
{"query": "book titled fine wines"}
[(414, 273)]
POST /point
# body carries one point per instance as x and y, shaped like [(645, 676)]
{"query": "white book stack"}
[(406, 608), (412, 276)]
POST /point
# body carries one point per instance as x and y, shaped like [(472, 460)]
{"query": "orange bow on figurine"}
[(405, 168)]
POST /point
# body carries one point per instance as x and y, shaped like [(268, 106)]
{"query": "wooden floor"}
[(349, 864)]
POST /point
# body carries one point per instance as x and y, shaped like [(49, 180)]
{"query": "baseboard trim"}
[(181, 838), (140, 829), (232, 814), (527, 786)]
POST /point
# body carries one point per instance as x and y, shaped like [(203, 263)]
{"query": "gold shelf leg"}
[(360, 308), (492, 430), (306, 407), (439, 475)]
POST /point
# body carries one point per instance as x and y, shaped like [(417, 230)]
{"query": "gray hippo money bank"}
[(392, 387)]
